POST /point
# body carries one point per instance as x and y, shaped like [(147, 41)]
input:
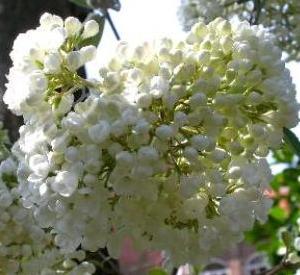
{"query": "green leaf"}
[(157, 271), (81, 3), (95, 40), (104, 5), (291, 139), (278, 213), (284, 155)]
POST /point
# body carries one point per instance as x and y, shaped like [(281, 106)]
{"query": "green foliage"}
[(157, 271), (282, 216), (81, 3), (4, 143), (278, 214), (291, 139), (284, 154), (281, 228)]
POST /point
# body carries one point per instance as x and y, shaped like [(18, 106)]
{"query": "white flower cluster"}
[(24, 247), (44, 64), (191, 11), (168, 148), (40, 87), (281, 17)]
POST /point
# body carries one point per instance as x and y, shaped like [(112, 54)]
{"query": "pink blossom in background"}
[(184, 270), (133, 262)]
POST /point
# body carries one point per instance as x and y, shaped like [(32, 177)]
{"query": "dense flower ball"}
[(281, 17), (168, 148), (24, 247), (44, 65), (35, 88), (191, 11)]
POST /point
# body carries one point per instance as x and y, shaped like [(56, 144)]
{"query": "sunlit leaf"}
[(278, 213), (292, 140), (157, 271), (284, 154)]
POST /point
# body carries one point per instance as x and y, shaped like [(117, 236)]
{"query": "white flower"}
[(73, 26), (90, 29), (65, 183), (8, 166), (164, 132), (218, 155), (37, 81), (88, 53), (71, 154), (99, 132), (50, 21), (297, 243), (52, 62), (5, 199), (200, 142), (47, 49), (235, 172), (39, 164), (125, 159), (148, 154), (144, 100), (189, 185), (192, 11), (74, 60), (159, 86)]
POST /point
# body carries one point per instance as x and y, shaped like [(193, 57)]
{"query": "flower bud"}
[(99, 132), (38, 81), (164, 132), (91, 28), (65, 183), (39, 164), (74, 61), (72, 26), (52, 63), (200, 142), (88, 53)]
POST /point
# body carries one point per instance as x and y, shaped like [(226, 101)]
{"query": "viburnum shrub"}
[(167, 148), (281, 17)]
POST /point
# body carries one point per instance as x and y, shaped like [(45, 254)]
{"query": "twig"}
[(111, 23), (284, 265)]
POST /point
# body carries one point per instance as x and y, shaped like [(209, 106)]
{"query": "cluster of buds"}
[(168, 148), (281, 17)]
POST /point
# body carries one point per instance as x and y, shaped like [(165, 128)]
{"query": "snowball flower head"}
[(281, 17), (168, 148)]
